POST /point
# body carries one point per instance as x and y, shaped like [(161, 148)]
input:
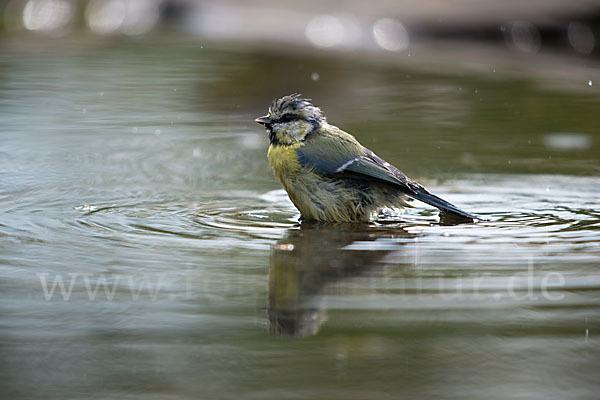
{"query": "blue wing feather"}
[(372, 167)]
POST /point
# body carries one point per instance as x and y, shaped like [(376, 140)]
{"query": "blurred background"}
[(545, 39), (379, 66), (147, 251), (353, 26)]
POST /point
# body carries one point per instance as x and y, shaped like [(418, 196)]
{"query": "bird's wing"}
[(360, 162)]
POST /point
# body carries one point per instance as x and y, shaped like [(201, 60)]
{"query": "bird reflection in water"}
[(311, 258)]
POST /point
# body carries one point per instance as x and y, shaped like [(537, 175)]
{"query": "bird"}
[(329, 176)]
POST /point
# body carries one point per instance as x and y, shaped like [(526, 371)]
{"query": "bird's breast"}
[(284, 160)]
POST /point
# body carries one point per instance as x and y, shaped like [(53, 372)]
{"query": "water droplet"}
[(47, 15), (285, 247), (157, 132), (523, 36), (581, 37), (86, 208), (390, 34), (129, 17), (567, 141), (315, 76), (325, 31), (590, 82)]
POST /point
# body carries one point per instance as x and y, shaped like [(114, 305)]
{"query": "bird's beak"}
[(266, 120)]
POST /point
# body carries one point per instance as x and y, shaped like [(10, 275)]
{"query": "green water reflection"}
[(309, 259)]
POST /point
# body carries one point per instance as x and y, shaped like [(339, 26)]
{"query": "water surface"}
[(131, 174)]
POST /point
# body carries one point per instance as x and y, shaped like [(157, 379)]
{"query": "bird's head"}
[(291, 119)]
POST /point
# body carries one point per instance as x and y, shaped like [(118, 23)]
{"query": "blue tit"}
[(329, 175)]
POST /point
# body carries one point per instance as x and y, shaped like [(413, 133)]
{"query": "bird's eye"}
[(286, 118)]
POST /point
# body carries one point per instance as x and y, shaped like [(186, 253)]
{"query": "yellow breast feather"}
[(284, 160), (317, 197)]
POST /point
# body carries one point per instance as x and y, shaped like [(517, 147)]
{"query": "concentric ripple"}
[(235, 219)]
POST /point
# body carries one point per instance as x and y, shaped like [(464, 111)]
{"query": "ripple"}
[(243, 219), (229, 219)]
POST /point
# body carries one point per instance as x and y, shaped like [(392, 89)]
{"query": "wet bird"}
[(329, 175)]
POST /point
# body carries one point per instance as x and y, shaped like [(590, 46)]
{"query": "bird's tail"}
[(422, 194)]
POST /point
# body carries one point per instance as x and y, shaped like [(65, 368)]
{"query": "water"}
[(132, 174)]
